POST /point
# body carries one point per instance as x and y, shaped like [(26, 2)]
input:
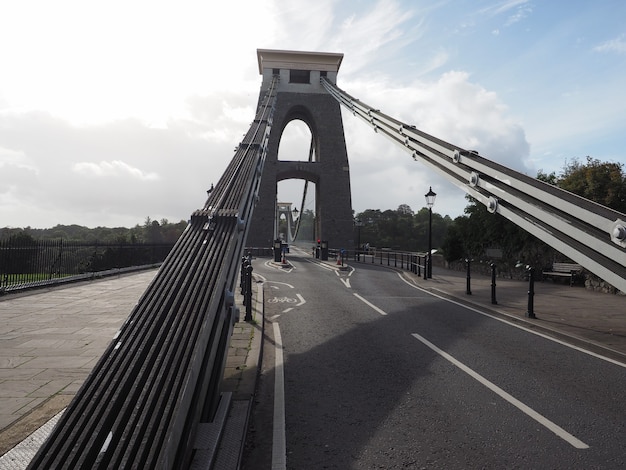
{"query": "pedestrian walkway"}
[(51, 338), (593, 319)]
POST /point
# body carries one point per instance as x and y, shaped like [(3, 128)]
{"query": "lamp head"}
[(430, 197)]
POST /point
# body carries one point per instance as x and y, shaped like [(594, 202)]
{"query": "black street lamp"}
[(358, 224), (294, 220), (430, 202)]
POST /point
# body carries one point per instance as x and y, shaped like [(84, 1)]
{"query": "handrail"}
[(159, 379)]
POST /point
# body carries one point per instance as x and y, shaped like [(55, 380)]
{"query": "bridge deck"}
[(38, 339)]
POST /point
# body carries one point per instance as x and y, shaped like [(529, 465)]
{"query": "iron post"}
[(530, 313), (243, 274), (493, 284), (358, 224), (468, 289), (248, 293)]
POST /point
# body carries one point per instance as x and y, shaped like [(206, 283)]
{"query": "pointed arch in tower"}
[(301, 96)]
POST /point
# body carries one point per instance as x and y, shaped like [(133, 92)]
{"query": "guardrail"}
[(154, 393), (27, 263), (411, 261)]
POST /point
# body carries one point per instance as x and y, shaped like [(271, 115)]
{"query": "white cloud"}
[(365, 35), (16, 158), (124, 93), (453, 109), (517, 10), (504, 7), (521, 13), (616, 45), (115, 168), (161, 173), (114, 60)]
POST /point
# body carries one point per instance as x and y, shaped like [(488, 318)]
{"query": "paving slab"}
[(49, 342), (51, 339)]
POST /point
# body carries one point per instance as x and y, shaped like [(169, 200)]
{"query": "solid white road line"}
[(493, 387), (516, 325), (279, 444), (370, 304), (559, 431)]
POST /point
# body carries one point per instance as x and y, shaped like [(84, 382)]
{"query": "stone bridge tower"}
[(300, 95)]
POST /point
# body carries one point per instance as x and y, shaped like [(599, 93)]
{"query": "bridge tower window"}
[(299, 76)]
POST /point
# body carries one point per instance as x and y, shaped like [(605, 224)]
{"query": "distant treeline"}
[(476, 234), (152, 231), (479, 234)]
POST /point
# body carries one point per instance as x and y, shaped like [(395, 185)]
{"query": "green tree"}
[(153, 231), (306, 220), (601, 182), (454, 247), (402, 229), (478, 230), (547, 178)]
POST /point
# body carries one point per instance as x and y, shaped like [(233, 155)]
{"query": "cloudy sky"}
[(112, 111)]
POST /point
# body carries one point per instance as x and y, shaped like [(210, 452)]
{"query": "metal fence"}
[(27, 262)]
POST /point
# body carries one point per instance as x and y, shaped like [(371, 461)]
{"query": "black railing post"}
[(468, 289), (242, 280), (425, 267), (493, 284), (248, 294), (530, 313)]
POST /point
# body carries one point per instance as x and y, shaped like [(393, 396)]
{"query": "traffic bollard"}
[(530, 313), (468, 289), (493, 284), (248, 294)]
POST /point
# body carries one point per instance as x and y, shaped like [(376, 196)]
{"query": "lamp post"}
[(295, 220), (358, 224), (430, 202)]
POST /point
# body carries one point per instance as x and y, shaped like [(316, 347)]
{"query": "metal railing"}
[(414, 262), (151, 395), (28, 263)]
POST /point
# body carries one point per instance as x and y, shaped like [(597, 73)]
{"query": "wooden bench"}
[(571, 270)]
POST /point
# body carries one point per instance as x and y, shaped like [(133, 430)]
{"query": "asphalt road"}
[(380, 374)]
